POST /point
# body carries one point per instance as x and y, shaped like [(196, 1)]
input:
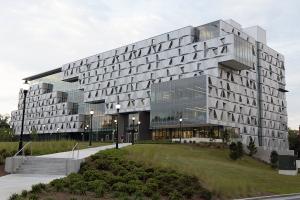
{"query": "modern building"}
[(218, 77)]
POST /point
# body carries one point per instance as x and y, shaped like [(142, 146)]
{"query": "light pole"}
[(86, 129), (132, 134), (180, 123), (118, 106), (91, 128), (25, 88), (57, 132), (139, 123), (44, 132)]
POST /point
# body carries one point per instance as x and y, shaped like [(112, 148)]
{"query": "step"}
[(41, 165)]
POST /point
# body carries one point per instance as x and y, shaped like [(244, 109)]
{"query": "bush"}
[(251, 147), (24, 193), (33, 197), (38, 188), (91, 175), (236, 150), (274, 159), (79, 187), (175, 195), (108, 172), (233, 152), (240, 149), (14, 197), (58, 184), (94, 185), (120, 187)]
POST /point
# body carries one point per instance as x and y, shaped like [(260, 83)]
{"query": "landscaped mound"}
[(109, 175)]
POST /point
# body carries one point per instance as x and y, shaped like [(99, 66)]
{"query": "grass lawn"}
[(226, 178), (48, 147)]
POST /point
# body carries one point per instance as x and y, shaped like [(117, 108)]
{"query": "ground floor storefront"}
[(215, 132)]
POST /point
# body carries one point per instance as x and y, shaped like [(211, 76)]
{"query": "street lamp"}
[(57, 132), (118, 106), (91, 128), (25, 88), (180, 122), (86, 128), (82, 137), (132, 134), (139, 123)]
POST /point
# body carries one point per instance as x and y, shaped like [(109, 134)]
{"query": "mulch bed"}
[(2, 172)]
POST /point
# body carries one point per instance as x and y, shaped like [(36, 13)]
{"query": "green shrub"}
[(100, 191), (14, 197), (251, 147), (236, 150), (147, 191), (91, 175), (240, 149), (274, 159), (38, 188), (120, 187), (79, 187), (152, 184), (58, 184), (175, 195), (33, 197), (24, 193), (205, 194), (103, 164), (93, 185), (155, 196)]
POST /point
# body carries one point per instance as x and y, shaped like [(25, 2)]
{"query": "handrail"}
[(73, 149), (23, 149)]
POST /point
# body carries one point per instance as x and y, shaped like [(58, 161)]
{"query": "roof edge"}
[(43, 74)]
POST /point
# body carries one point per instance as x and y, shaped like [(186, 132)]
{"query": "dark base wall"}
[(101, 136)]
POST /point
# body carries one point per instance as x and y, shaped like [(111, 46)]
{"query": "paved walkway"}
[(15, 183), (295, 196)]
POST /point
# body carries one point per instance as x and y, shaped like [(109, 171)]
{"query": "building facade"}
[(218, 77)]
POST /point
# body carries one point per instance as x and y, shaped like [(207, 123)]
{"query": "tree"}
[(240, 149), (294, 141), (233, 153), (4, 121), (34, 134), (236, 150), (251, 147), (225, 136), (274, 159), (5, 131)]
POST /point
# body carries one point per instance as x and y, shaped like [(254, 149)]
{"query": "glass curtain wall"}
[(184, 98)]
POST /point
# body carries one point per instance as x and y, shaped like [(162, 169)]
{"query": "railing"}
[(73, 150), (23, 148)]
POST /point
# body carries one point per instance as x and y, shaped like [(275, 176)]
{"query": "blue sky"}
[(40, 35)]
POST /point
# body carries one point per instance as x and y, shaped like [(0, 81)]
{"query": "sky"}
[(36, 35)]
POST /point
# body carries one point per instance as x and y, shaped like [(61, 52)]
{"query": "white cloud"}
[(39, 35)]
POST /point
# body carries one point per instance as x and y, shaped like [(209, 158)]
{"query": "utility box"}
[(287, 165)]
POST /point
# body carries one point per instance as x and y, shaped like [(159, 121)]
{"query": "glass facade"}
[(58, 84), (209, 31), (185, 98), (244, 51)]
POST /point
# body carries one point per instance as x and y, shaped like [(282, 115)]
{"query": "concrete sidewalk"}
[(83, 153), (15, 183)]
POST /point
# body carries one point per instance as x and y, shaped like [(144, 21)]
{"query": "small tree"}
[(240, 149), (274, 159), (225, 137), (233, 153), (236, 150), (34, 135), (251, 147)]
